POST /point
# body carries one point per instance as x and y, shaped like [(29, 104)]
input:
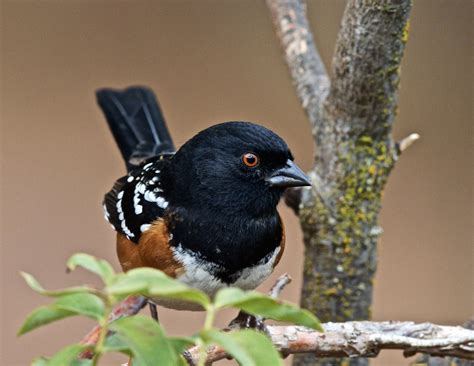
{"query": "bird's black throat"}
[(232, 242)]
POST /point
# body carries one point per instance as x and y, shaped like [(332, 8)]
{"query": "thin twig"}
[(405, 143), (302, 57), (130, 306), (279, 285)]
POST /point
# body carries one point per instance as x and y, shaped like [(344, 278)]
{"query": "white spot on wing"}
[(123, 225), (150, 196), (126, 230), (161, 202), (119, 206), (138, 209), (140, 188), (144, 227), (136, 201), (106, 213)]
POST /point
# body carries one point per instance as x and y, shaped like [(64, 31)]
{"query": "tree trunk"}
[(351, 119)]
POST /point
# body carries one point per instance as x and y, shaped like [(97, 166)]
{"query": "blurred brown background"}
[(211, 61)]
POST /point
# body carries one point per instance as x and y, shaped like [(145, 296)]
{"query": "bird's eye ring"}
[(250, 159)]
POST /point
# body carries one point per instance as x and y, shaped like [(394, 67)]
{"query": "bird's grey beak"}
[(288, 176)]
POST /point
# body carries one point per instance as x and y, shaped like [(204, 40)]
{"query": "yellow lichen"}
[(406, 31)]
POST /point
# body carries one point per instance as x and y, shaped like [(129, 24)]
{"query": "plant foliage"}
[(143, 339)]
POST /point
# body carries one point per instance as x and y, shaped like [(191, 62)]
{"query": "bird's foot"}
[(247, 321), (153, 311)]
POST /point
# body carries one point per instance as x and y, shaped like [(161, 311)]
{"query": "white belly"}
[(198, 274)]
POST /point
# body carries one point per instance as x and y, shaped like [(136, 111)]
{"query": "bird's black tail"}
[(136, 121)]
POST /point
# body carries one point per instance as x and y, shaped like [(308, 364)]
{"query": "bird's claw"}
[(248, 321)]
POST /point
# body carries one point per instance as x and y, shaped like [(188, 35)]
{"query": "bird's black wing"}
[(137, 199), (136, 122)]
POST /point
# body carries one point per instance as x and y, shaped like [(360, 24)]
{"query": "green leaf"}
[(114, 343), (181, 343), (172, 289), (83, 304), (256, 303), (84, 362), (43, 361), (42, 316), (68, 356), (65, 306), (152, 282), (146, 340), (135, 281), (40, 361), (34, 285), (32, 282), (95, 265), (81, 363), (248, 347)]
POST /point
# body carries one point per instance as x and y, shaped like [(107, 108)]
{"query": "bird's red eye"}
[(250, 159)]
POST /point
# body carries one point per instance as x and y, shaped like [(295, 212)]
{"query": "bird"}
[(204, 214)]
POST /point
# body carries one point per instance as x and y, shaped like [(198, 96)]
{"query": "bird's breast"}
[(210, 277), (204, 276)]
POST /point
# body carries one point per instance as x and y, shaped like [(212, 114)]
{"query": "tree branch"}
[(366, 64), (304, 62), (364, 339), (433, 360), (279, 285), (354, 149)]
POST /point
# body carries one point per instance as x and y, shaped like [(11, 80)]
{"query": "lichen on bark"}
[(351, 116), (341, 232)]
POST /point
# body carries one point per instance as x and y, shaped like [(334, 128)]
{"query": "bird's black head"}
[(234, 167)]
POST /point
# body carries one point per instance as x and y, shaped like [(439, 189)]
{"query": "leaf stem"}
[(202, 351), (104, 329), (210, 315)]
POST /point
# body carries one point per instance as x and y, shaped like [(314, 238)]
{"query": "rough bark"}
[(433, 360), (354, 150), (362, 339)]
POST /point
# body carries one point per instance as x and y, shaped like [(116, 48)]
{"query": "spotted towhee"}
[(205, 214)]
